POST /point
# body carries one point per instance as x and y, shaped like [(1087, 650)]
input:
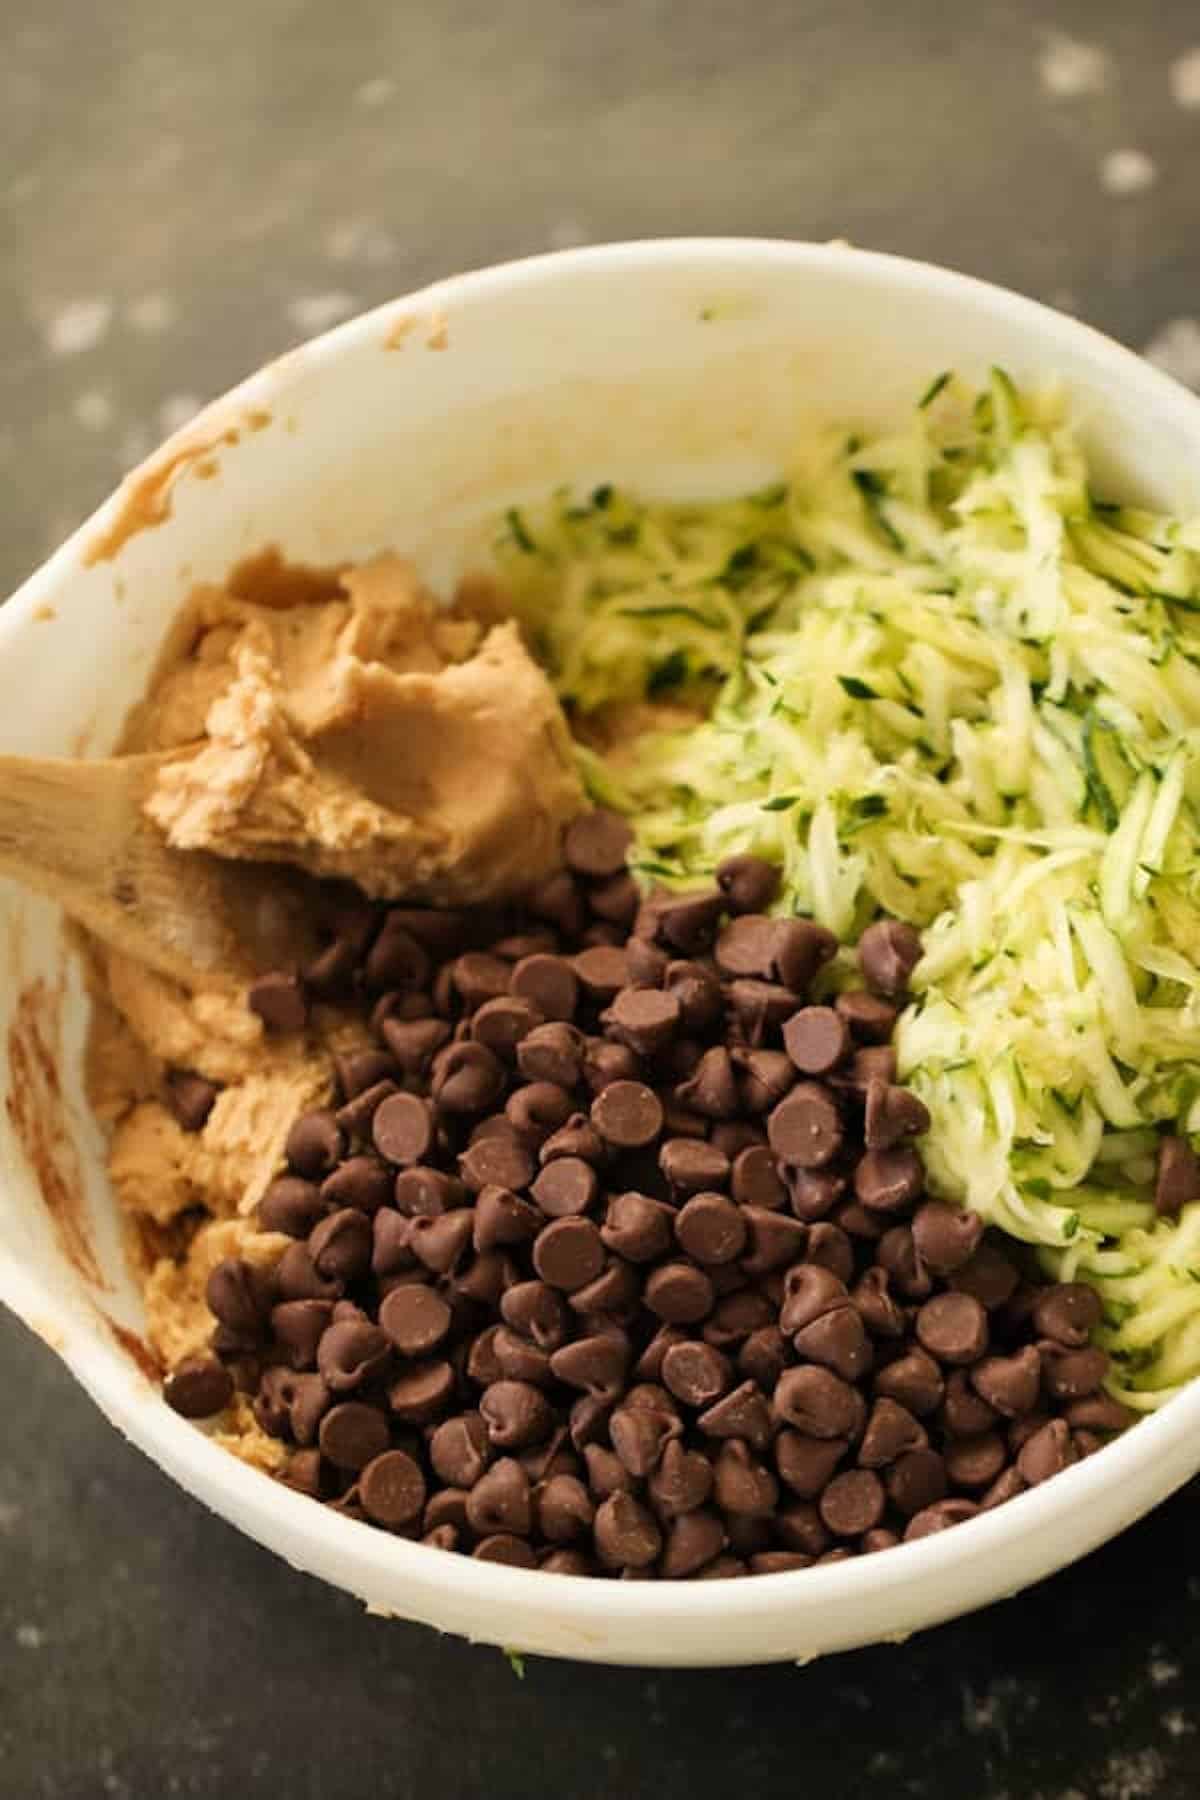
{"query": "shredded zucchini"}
[(936, 677)]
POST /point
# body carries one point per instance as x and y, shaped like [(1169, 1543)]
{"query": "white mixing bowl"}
[(674, 365)]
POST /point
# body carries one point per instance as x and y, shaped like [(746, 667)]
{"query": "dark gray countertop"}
[(184, 192)]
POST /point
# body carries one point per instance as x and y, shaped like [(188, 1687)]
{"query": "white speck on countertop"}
[(359, 240), (376, 92), (30, 1637), (136, 444), (9, 1514), (1176, 1724), (1064, 299), (176, 411), (1175, 349), (151, 312), (78, 326), (567, 233), (1161, 1670), (1183, 78), (1068, 67), (93, 409), (317, 312), (1136, 1775), (1124, 172)]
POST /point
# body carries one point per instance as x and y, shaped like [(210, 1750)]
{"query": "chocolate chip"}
[(1177, 1182), (602, 972), (743, 1486), (413, 1043), (945, 1236), (809, 1292), (964, 1411), (1099, 1412), (1067, 1312), (498, 1160), (696, 1373), (693, 1539), (501, 1025), (466, 1078), (515, 1413), (422, 1392), (352, 1434), (279, 1001), (441, 1242), (340, 1245), (354, 1118), (873, 1301), (198, 1386), (502, 1548), (679, 1293), (501, 1500), (712, 1090), (615, 900), (298, 1325), (597, 1364), (975, 1462), (838, 1341), (988, 1277), (819, 1403), (755, 1179), (774, 1240), (549, 983), (190, 1097), (697, 992), (360, 1070), (459, 1450), (748, 883), (871, 1020), (396, 960), (478, 977), (889, 1180), (1072, 1374), (888, 952), (568, 1253), (596, 843), (953, 1327), (939, 1517), (428, 1193), (1007, 1485), (914, 1380), (744, 1413), (897, 1254), (314, 1144), (711, 1229), (691, 1166), (239, 1295), (627, 1114), (686, 922), (637, 1227), (297, 1277), (565, 1188), (349, 1353), (537, 1110), (415, 1318), (746, 946), (639, 1435), (892, 1114), (392, 1490), (806, 1463), (1009, 1384), (805, 1129), (502, 1218), (361, 1182), (830, 1248), (891, 1432), (759, 1008), (626, 1534), (853, 1503), (816, 1038), (801, 949), (646, 1019), (291, 1205), (564, 1509), (915, 1481), (764, 1356)]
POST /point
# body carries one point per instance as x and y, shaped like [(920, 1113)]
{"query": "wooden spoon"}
[(77, 832)]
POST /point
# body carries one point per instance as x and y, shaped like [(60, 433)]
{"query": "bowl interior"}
[(680, 368)]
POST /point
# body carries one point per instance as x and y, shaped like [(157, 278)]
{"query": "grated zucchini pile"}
[(936, 675)]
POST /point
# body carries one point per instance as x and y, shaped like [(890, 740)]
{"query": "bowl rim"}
[(318, 1538)]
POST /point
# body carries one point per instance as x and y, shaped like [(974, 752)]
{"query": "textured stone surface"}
[(184, 193)]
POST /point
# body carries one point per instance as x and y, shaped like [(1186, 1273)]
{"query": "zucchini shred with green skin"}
[(938, 679)]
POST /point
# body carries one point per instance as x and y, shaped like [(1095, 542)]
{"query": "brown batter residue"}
[(36, 1110)]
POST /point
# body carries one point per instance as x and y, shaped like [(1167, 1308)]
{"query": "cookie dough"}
[(341, 722), (365, 736)]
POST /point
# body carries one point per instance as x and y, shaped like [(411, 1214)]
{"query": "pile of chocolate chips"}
[(614, 1256)]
